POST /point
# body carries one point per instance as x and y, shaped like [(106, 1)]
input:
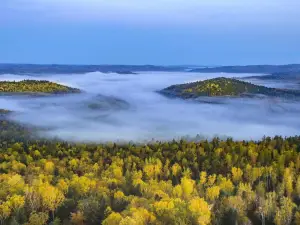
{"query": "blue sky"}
[(202, 32)]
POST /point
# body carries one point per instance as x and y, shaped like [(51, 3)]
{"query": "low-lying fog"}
[(140, 114)]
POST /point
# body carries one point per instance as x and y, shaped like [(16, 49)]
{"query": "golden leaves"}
[(237, 174), (187, 186), (51, 196), (212, 193), (82, 185), (200, 209)]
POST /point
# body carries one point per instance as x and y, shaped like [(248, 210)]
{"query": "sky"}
[(161, 32)]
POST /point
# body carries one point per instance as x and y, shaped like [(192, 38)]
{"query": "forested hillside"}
[(178, 182), (35, 86), (222, 86)]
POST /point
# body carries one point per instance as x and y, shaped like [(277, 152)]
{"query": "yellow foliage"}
[(119, 195), (288, 181), (82, 185), (226, 185), (152, 168), (16, 202), (245, 191), (298, 186), (16, 184), (137, 178), (176, 169), (212, 193), (142, 216), (128, 221), (113, 219), (5, 211), (73, 163), (17, 166), (161, 194), (96, 167), (164, 205), (236, 203), (237, 174), (177, 191), (51, 197), (203, 176), (38, 219), (256, 173), (62, 185), (117, 172), (45, 178), (49, 167), (151, 184), (297, 218), (187, 186), (270, 204), (284, 214), (37, 154), (154, 188), (211, 180), (200, 209), (218, 151), (137, 216)]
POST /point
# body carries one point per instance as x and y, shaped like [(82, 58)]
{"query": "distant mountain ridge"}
[(78, 69), (133, 69), (269, 69), (292, 76)]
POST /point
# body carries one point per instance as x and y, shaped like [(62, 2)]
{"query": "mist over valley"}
[(127, 107)]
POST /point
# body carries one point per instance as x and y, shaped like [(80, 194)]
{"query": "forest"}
[(180, 182), (35, 86), (222, 86)]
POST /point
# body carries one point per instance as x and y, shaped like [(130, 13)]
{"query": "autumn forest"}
[(178, 182)]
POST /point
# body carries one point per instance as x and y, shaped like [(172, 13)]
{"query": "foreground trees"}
[(178, 182)]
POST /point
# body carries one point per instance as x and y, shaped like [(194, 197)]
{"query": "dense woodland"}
[(35, 86), (220, 182), (222, 86)]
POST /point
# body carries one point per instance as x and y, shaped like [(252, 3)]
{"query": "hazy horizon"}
[(149, 64)]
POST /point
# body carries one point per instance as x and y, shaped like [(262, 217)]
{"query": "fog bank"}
[(117, 107)]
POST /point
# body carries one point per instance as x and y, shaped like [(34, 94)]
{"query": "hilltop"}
[(34, 87), (224, 87)]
